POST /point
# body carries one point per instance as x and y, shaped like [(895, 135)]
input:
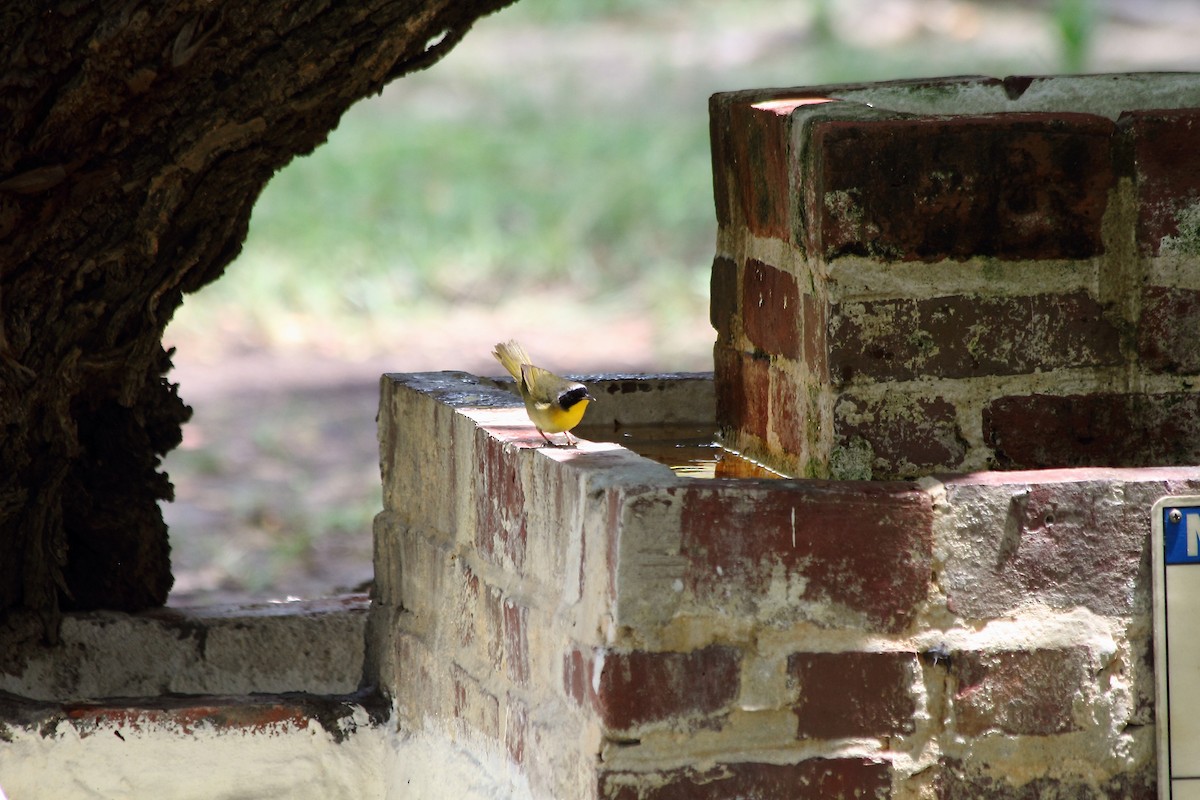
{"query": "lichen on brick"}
[(1187, 241), (852, 461)]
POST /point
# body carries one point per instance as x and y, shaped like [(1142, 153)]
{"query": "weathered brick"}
[(516, 642), (1018, 692), (500, 533), (969, 336), (1166, 145), (962, 781), (815, 327), (490, 619), (1008, 186), (814, 779), (388, 534), (423, 572), (416, 680), (722, 157), (853, 694), (468, 601), (770, 309), (473, 706), (232, 718), (861, 547), (640, 687), (723, 298), (904, 435), (1145, 688), (416, 457), (789, 415), (516, 729), (1167, 326), (1128, 430), (613, 518), (743, 391), (730, 394), (1073, 540), (758, 168), (577, 675)]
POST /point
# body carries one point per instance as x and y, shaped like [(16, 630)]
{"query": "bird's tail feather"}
[(512, 356)]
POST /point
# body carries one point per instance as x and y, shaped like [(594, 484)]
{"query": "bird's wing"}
[(543, 384)]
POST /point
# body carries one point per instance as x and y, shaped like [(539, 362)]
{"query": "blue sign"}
[(1181, 535)]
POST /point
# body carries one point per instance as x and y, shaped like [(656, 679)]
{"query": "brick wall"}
[(585, 624), (909, 281)]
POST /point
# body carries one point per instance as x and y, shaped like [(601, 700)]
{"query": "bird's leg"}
[(570, 442), (549, 441)]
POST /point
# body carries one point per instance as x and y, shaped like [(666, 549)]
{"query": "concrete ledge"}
[(310, 646), (289, 745)]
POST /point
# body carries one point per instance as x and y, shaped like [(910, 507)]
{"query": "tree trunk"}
[(137, 137)]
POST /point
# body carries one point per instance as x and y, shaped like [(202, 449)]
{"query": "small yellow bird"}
[(554, 404)]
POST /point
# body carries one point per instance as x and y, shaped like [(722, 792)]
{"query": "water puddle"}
[(691, 451)]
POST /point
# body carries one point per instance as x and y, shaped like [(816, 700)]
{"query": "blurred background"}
[(549, 180)]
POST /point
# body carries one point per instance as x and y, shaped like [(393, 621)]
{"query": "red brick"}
[(1116, 430), (1074, 541), (1020, 692), (723, 298), (1008, 186), (968, 336), (248, 715), (864, 547), (640, 687), (577, 676), (727, 383), (789, 416), (500, 533), (722, 157), (759, 169), (228, 715), (853, 694), (964, 781), (771, 311), (1167, 326), (743, 391), (1166, 152), (814, 779), (909, 435)]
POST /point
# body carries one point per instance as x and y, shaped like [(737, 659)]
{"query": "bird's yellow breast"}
[(551, 418)]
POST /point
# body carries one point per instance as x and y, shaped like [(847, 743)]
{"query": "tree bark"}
[(137, 137)]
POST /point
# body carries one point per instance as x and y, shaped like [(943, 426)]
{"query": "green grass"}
[(449, 212)]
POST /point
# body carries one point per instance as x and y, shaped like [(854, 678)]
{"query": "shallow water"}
[(691, 451)]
